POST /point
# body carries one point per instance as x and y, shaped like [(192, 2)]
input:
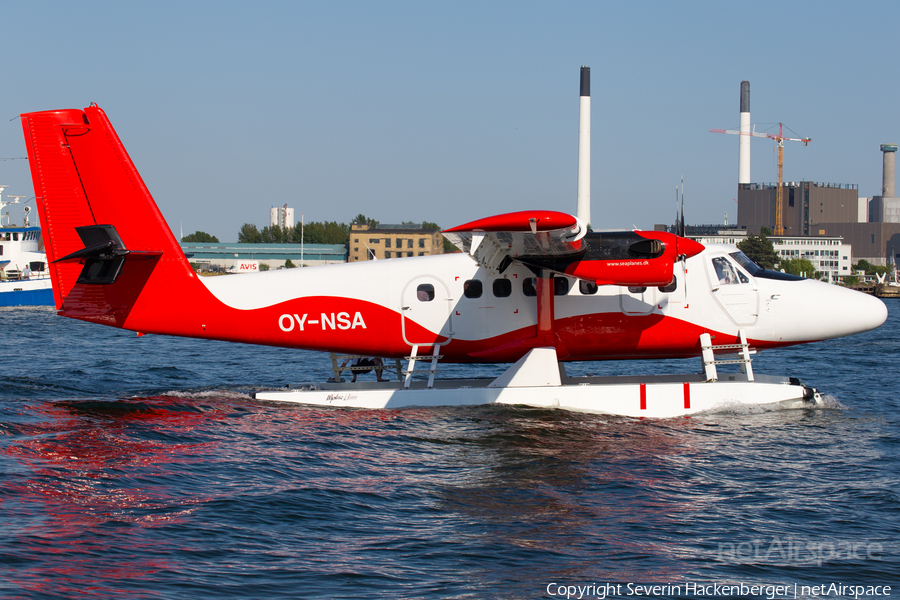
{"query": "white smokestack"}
[(744, 148), (584, 148)]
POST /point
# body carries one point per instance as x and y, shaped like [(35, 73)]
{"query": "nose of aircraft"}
[(877, 312), (822, 311)]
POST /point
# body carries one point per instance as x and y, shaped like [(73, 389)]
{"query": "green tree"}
[(869, 268), (289, 264), (200, 237), (796, 266), (249, 234), (361, 219), (328, 232), (263, 267), (760, 250), (430, 225)]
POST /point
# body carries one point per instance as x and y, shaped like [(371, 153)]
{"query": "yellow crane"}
[(779, 140)]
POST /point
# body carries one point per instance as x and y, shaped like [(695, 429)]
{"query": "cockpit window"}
[(724, 271), (757, 271), (743, 260)]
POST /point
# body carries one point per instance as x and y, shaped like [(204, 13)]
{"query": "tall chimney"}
[(744, 147), (887, 173), (583, 211)]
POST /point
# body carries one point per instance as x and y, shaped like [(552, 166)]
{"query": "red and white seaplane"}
[(532, 288)]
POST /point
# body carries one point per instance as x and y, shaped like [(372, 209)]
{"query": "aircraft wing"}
[(560, 243), (524, 233)]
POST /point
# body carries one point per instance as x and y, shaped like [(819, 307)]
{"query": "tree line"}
[(314, 232)]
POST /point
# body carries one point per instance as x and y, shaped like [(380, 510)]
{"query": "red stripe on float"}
[(687, 395), (643, 396)]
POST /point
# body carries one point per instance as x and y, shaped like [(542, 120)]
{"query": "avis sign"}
[(327, 321), (245, 266)]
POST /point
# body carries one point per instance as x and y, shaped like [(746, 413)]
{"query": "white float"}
[(539, 380)]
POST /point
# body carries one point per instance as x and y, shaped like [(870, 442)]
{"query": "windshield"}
[(757, 271), (742, 259)]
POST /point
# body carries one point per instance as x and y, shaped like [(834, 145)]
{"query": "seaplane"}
[(534, 288)]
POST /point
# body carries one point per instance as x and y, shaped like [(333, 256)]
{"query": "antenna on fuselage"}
[(679, 211)]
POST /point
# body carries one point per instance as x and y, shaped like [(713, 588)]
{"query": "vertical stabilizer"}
[(105, 238)]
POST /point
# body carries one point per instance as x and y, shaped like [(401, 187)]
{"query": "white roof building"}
[(829, 255)]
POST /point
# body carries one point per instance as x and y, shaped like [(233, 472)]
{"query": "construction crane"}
[(779, 139)]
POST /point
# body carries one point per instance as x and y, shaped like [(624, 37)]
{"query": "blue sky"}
[(448, 112)]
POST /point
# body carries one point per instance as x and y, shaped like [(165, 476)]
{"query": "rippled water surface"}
[(142, 468)]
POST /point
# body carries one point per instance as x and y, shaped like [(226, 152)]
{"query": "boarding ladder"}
[(741, 357), (432, 370)]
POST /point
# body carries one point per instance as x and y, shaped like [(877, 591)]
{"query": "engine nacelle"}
[(626, 258)]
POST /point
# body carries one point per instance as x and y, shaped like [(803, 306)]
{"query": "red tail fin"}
[(104, 235)]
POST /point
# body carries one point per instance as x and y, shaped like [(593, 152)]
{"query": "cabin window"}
[(724, 271), (425, 292), (472, 288), (668, 289), (528, 286), (1, 249), (502, 288), (587, 288), (36, 265), (16, 236), (560, 286)]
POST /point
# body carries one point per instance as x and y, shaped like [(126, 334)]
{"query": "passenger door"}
[(426, 301)]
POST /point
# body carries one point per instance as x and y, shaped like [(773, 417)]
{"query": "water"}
[(141, 468)]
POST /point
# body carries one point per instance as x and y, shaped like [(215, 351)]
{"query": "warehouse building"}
[(224, 256)]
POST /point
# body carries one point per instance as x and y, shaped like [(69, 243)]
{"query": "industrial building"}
[(393, 241), (805, 205), (871, 226)]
